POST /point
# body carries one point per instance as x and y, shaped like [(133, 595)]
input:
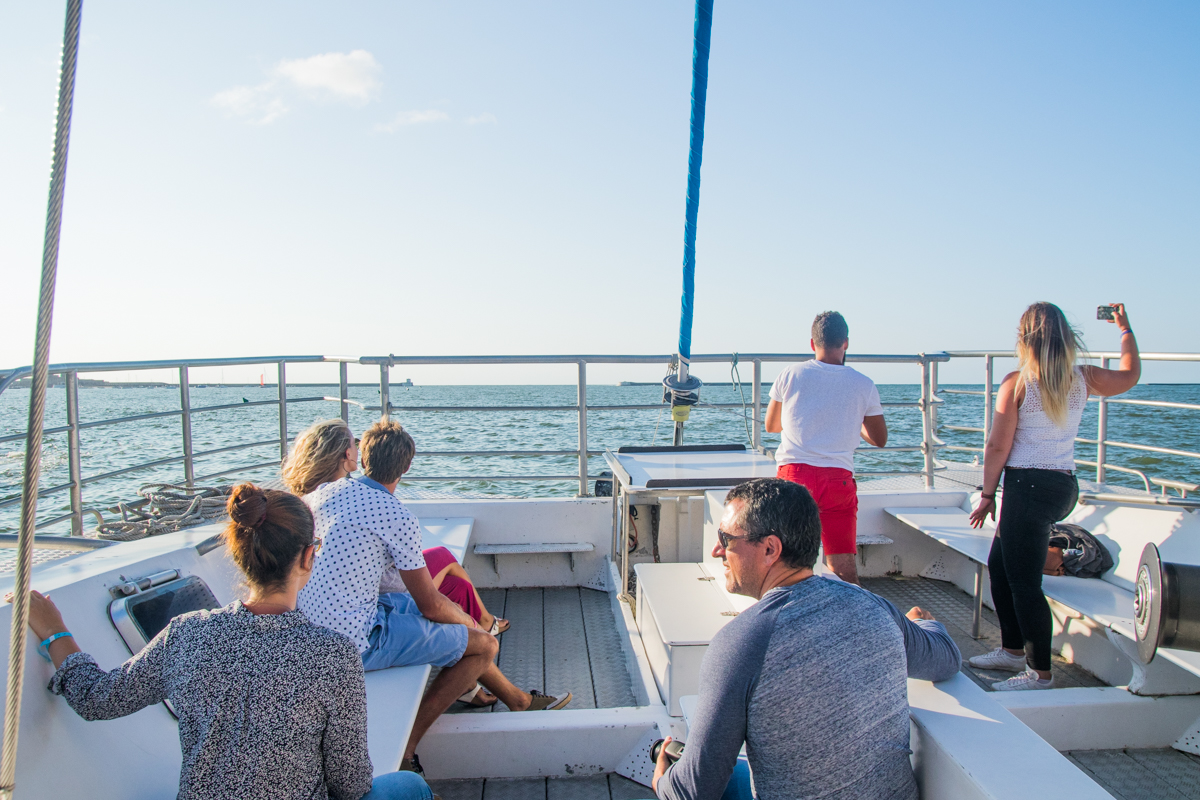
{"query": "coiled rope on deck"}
[(167, 508)]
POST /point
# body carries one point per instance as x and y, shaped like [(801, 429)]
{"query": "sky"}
[(478, 178)]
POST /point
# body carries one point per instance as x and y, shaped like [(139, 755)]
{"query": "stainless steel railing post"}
[(385, 396), (185, 405), (283, 426), (933, 404), (758, 426), (988, 399), (926, 429), (344, 390), (1102, 433), (583, 423), (72, 379)]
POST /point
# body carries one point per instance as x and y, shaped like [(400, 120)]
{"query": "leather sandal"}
[(478, 697), (499, 626)]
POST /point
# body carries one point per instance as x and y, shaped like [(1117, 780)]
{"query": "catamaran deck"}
[(953, 608), (560, 639)]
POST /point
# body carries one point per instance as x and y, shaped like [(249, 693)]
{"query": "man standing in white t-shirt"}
[(821, 407)]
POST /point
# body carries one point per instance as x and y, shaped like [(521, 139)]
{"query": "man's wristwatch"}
[(991, 496)]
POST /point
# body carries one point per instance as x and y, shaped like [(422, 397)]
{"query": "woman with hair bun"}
[(1032, 442), (269, 704)]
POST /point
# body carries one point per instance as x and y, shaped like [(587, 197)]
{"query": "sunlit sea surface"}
[(110, 448)]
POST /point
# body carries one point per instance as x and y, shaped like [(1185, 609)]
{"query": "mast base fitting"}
[(682, 395)]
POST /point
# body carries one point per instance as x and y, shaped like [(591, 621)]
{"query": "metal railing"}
[(928, 404), (188, 456), (1102, 443)]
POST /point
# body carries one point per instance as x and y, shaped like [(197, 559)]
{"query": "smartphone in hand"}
[(1105, 313)]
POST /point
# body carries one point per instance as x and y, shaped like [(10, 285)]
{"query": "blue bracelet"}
[(1127, 330), (44, 648)]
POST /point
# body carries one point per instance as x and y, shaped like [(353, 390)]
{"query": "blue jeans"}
[(738, 787), (399, 786)]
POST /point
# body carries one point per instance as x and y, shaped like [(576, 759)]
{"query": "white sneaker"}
[(999, 659), (1023, 682)]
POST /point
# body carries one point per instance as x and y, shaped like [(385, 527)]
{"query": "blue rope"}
[(702, 34)]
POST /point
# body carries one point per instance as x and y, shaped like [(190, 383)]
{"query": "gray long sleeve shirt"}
[(812, 679)]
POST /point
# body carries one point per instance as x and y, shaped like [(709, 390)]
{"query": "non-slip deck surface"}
[(560, 639), (952, 607), (590, 787), (1158, 774)]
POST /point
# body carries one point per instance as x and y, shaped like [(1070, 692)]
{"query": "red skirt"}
[(460, 591)]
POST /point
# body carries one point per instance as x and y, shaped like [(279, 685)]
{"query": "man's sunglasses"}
[(725, 538)]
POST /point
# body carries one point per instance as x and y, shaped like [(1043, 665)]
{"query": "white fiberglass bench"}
[(452, 533), (393, 695), (1123, 529), (951, 526)]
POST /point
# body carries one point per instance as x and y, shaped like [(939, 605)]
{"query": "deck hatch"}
[(141, 616)]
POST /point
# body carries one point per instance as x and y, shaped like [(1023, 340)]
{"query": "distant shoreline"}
[(57, 382)]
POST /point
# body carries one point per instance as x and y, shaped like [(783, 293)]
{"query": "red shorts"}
[(836, 493)]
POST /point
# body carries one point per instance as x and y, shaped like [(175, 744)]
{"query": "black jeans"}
[(1034, 499)]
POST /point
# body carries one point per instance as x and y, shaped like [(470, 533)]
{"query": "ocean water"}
[(109, 448)]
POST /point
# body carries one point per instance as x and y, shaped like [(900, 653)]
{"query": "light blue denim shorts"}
[(402, 637)]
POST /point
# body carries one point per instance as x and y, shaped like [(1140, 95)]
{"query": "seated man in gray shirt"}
[(811, 678)]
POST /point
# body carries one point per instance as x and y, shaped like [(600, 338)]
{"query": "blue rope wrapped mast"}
[(684, 388)]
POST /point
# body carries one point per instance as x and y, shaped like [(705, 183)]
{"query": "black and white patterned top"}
[(365, 530), (269, 705)]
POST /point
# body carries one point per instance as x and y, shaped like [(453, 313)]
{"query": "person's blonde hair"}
[(316, 456), (1047, 347), (387, 451)]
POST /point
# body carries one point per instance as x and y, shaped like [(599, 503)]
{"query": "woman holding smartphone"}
[(1032, 443)]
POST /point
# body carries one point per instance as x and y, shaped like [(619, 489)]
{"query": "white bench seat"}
[(680, 608), (952, 527), (1099, 599), (393, 696), (533, 549), (452, 533)]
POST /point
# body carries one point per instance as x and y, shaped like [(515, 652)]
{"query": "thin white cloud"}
[(347, 77), (486, 118), (259, 105), (352, 76), (407, 118)]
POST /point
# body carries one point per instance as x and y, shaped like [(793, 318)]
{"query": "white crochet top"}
[(1038, 442)]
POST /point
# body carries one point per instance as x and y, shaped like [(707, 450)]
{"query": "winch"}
[(1166, 605)]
